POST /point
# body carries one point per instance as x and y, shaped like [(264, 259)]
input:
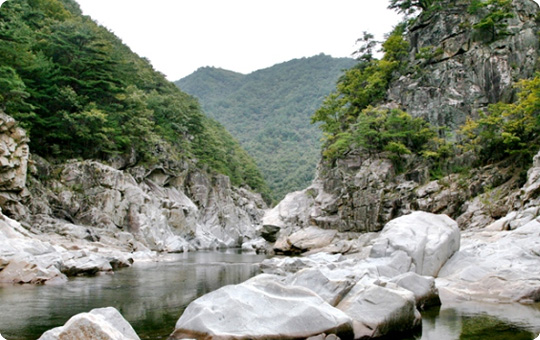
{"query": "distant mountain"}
[(269, 112)]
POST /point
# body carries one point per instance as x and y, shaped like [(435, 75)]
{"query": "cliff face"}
[(14, 154), (454, 72), (174, 207), (169, 207), (458, 70)]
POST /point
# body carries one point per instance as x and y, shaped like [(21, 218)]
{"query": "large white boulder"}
[(423, 287), (429, 239), (24, 259), (495, 266), (330, 289), (102, 323), (294, 209), (379, 311), (261, 308), (304, 239)]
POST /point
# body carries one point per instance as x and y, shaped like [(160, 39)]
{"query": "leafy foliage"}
[(393, 131), (507, 130), (268, 111), (360, 87), (492, 24), (410, 6), (81, 93)]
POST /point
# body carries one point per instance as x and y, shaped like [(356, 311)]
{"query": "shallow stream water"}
[(152, 296)]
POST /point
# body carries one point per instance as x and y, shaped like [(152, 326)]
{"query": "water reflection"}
[(468, 320), (151, 296)]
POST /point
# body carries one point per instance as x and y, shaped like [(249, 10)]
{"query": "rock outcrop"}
[(102, 323), (455, 71), (26, 257), (261, 309), (497, 266), (377, 296), (150, 206), (86, 217), (379, 311), (429, 240), (460, 70), (14, 153)]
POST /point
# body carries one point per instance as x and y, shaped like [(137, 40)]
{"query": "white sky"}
[(179, 36)]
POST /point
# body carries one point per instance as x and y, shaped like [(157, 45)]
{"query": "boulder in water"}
[(379, 311), (429, 239), (102, 323), (495, 266), (261, 309)]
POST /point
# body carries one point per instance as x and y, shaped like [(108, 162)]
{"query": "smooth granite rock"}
[(102, 323), (429, 239), (261, 310)]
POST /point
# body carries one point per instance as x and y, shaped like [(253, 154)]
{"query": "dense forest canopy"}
[(81, 93), (268, 111)]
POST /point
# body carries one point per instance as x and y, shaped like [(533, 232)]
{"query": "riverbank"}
[(150, 297), (400, 269)]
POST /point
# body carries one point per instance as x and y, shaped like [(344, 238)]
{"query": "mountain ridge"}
[(269, 112)]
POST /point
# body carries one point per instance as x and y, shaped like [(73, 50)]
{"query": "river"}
[(153, 295)]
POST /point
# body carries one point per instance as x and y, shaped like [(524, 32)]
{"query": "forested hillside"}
[(81, 93), (485, 120), (269, 112)]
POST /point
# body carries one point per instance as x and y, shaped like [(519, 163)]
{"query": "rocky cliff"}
[(458, 70), (454, 71), (98, 209)]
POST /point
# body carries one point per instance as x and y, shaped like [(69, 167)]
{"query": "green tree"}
[(393, 130), (493, 23), (410, 6), (368, 44), (360, 87), (81, 93), (507, 130), (12, 91)]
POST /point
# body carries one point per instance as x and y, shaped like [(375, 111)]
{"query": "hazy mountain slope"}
[(269, 112)]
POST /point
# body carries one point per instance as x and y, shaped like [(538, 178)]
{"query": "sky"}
[(179, 36)]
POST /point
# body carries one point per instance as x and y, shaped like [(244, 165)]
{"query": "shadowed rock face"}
[(14, 155), (466, 71)]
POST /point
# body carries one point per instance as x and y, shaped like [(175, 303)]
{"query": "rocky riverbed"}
[(373, 290), (346, 285)]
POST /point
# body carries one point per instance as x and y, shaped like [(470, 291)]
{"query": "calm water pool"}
[(152, 296)]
